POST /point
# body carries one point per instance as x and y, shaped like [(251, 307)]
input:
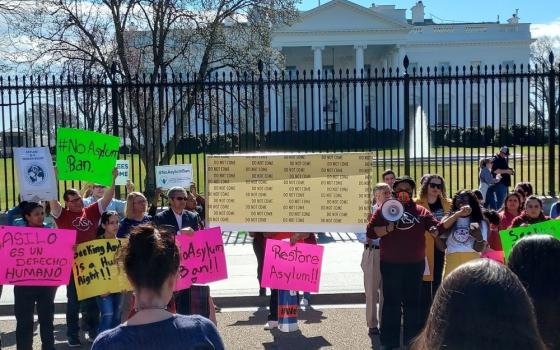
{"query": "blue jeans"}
[(110, 308), (496, 195)]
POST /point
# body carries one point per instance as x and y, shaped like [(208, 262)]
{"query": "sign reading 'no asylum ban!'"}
[(289, 192), (86, 155)]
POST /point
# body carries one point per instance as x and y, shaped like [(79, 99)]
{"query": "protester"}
[(481, 305), (555, 210), (117, 205), (14, 216), (388, 177), (305, 301), (433, 196), (371, 264), (525, 189), (110, 305), (136, 212), (151, 262), (485, 177), (272, 319), (493, 219), (200, 201), (191, 206), (497, 193), (532, 214), (258, 248), (25, 297), (534, 259), (402, 263), (479, 197), (85, 220), (463, 233)]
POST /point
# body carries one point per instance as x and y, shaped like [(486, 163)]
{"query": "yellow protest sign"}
[(95, 269)]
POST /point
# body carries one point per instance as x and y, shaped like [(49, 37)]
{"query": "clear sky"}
[(534, 11)]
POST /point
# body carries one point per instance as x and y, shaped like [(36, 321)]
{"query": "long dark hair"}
[(480, 305), (534, 260), (476, 212), (104, 220)]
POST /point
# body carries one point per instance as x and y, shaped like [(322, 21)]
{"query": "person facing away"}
[(534, 259), (481, 305), (486, 178), (97, 191), (150, 259)]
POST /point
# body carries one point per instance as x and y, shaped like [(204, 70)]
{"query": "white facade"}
[(343, 35)]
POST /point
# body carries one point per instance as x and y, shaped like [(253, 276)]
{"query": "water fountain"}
[(419, 139)]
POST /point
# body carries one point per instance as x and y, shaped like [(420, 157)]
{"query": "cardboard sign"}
[(289, 267), (510, 236), (86, 155), (37, 181), (95, 269), (203, 259), (178, 175), (124, 172), (31, 256)]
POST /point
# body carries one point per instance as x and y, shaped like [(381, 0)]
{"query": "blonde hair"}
[(130, 203)]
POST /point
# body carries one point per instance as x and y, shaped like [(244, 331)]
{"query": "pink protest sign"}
[(203, 259), (289, 267), (496, 255), (31, 256)]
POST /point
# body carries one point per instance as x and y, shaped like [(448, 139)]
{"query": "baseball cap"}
[(505, 150)]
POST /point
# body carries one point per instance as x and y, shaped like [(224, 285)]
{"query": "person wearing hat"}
[(497, 193), (97, 191), (402, 250)]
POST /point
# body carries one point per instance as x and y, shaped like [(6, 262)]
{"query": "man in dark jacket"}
[(176, 217)]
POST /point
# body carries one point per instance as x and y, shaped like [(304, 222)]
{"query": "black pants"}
[(24, 307), (258, 248), (273, 305), (401, 289), (90, 312), (429, 289)]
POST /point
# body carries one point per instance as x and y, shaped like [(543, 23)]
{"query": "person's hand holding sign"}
[(186, 231)]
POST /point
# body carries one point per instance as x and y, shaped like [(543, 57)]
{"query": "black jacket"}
[(167, 219)]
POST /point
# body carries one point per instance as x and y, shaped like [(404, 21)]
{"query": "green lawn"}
[(533, 167)]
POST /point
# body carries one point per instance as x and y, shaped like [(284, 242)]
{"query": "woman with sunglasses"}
[(433, 196), (532, 214), (463, 233)]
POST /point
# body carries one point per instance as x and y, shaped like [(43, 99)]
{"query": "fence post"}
[(262, 142), (406, 111), (115, 110), (551, 126)]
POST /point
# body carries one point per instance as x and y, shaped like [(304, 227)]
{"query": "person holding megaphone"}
[(401, 223)]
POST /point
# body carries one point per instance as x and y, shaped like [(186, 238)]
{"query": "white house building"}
[(343, 35)]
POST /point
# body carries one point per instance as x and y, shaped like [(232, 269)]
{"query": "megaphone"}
[(392, 210)]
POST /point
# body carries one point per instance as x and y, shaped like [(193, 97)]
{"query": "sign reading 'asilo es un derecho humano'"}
[(86, 155), (32, 256)]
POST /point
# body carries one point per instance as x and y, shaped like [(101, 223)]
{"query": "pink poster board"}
[(289, 267), (496, 255), (31, 256), (203, 259)]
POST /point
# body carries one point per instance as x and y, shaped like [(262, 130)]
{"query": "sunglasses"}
[(433, 185), (180, 198)]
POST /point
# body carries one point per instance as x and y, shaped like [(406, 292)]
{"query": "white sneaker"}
[(304, 303), (271, 325)]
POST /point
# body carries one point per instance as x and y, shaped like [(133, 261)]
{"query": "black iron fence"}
[(414, 120)]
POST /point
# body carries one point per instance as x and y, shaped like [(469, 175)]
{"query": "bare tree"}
[(138, 41), (541, 52)]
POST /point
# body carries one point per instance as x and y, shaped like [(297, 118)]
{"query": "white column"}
[(358, 93), (317, 66)]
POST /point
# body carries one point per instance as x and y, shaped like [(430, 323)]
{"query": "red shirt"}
[(505, 220), (85, 222), (406, 244)]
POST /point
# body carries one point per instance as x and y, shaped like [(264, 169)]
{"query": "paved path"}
[(321, 328), (341, 273)]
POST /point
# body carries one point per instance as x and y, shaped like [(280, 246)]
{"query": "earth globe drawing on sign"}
[(35, 175)]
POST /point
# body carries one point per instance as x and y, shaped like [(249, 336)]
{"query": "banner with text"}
[(37, 181), (203, 259), (32, 256), (288, 267), (178, 175), (289, 192), (86, 155), (124, 172), (510, 236), (95, 270)]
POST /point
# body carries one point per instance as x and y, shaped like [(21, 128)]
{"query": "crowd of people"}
[(453, 299)]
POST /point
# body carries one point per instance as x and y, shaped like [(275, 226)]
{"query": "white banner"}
[(178, 175), (124, 172), (35, 171)]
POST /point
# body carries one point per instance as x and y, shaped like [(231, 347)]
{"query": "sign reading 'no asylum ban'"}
[(86, 155), (289, 192)]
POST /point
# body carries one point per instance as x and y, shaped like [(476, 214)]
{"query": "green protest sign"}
[(86, 155), (511, 236)]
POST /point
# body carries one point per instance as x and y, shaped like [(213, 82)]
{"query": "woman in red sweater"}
[(532, 214)]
